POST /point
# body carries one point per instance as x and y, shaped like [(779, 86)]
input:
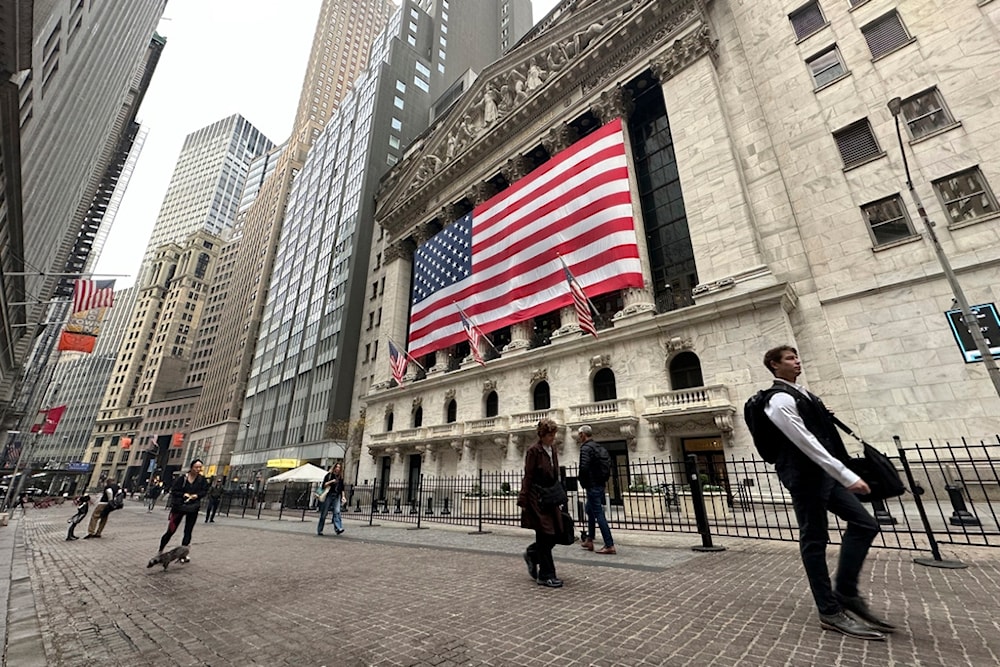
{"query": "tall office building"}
[(67, 70), (200, 206), (300, 390), (344, 33)]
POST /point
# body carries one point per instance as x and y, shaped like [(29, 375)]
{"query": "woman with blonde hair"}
[(539, 513)]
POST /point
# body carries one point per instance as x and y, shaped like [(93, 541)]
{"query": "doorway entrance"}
[(619, 481), (711, 460)]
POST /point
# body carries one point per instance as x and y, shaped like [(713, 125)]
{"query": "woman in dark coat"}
[(541, 469)]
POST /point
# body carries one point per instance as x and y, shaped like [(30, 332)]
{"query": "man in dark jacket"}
[(214, 500), (595, 470), (812, 467)]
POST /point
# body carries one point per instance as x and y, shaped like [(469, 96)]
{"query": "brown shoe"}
[(588, 545), (608, 551)]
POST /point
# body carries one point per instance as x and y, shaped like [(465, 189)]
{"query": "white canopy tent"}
[(304, 473)]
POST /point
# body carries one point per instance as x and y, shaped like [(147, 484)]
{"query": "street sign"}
[(988, 322)]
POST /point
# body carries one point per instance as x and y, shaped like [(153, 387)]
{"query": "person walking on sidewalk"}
[(152, 493), (185, 504), (333, 484), (595, 471), (541, 472), (82, 507), (214, 500), (811, 465), (99, 518)]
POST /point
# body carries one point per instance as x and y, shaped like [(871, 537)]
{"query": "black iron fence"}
[(954, 498)]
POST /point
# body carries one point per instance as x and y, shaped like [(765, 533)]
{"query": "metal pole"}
[(26, 449), (971, 321)]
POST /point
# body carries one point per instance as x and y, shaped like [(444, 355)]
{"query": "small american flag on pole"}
[(580, 302), (397, 363), (91, 294), (472, 333)]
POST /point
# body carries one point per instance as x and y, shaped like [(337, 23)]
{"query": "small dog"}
[(167, 557)]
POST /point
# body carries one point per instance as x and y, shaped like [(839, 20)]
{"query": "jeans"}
[(331, 502), (811, 511), (595, 514)]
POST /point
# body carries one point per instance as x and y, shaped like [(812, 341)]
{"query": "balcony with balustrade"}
[(692, 411)]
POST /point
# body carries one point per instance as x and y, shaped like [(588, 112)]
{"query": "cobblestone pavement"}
[(273, 593)]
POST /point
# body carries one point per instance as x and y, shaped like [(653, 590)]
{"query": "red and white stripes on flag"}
[(500, 264), (582, 304), (91, 294), (397, 363), (472, 333)]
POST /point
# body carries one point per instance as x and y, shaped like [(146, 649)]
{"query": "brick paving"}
[(273, 593)]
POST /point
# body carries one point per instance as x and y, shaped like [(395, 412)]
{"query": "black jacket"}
[(591, 475), (794, 468)]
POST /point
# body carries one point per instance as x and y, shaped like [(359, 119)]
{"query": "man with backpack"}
[(112, 498), (595, 470), (797, 433)]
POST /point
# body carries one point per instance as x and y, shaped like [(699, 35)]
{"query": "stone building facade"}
[(770, 207)]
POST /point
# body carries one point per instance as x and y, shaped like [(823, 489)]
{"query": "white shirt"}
[(783, 412)]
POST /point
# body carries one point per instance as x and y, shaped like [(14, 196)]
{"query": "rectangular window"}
[(807, 19), (885, 34), (423, 70), (393, 141), (857, 143), (396, 124), (400, 86), (421, 84), (887, 220), (398, 102), (925, 113), (966, 195), (826, 66)]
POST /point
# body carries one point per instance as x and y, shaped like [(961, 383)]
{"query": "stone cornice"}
[(583, 52)]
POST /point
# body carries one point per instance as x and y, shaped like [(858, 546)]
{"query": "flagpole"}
[(481, 332), (65, 275), (408, 356)]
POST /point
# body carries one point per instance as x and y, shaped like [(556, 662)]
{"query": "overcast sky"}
[(222, 57)]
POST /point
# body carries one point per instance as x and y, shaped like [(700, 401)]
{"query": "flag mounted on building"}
[(581, 303), (91, 299), (52, 417), (397, 363), (472, 333), (499, 264), (91, 294)]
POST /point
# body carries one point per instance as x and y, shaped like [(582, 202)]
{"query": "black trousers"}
[(811, 509), (213, 507), (190, 519), (541, 553)]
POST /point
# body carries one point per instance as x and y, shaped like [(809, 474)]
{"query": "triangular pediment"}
[(566, 52)]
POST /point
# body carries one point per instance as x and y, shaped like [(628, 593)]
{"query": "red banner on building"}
[(52, 417)]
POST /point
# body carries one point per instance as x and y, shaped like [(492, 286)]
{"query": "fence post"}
[(479, 512), (371, 510), (698, 501), (918, 491), (961, 516), (281, 503), (420, 490), (882, 515)]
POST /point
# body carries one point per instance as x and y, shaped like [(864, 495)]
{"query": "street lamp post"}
[(971, 321)]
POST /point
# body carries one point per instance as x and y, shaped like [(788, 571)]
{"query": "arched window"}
[(540, 396), (685, 371), (418, 417), (492, 404), (451, 412), (604, 385), (388, 421)]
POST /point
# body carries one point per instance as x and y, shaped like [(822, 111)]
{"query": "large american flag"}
[(90, 294), (500, 264)]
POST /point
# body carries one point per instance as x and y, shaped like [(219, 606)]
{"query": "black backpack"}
[(118, 501), (766, 436)]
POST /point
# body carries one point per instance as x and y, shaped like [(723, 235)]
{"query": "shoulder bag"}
[(551, 496), (875, 469)]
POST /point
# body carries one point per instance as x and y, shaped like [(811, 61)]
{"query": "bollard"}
[(961, 516), (430, 506), (698, 501), (445, 511), (882, 515)]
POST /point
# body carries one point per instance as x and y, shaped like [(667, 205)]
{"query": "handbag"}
[(568, 534), (551, 496), (321, 495), (875, 469), (189, 506)]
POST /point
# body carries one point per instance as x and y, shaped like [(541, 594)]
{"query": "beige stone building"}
[(770, 207), (153, 360)]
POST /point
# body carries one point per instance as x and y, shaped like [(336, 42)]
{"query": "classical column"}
[(569, 323), (520, 336)]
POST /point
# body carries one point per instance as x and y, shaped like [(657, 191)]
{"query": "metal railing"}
[(954, 498)]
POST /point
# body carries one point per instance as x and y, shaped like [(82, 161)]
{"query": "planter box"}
[(716, 506), (639, 505), (500, 506)]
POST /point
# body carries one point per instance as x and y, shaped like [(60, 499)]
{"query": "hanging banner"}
[(82, 329)]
